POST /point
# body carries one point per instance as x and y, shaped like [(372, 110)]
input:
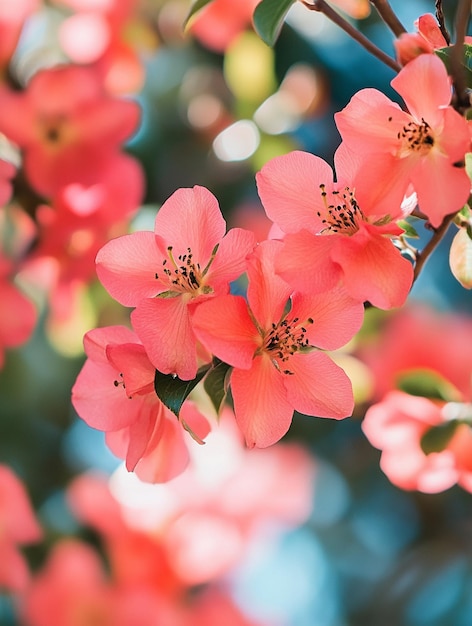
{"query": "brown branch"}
[(324, 7), (438, 234), (457, 54), (388, 15), (441, 21)]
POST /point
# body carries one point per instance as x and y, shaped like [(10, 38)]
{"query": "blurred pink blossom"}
[(18, 526)]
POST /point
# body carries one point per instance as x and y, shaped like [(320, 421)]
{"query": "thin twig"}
[(441, 21), (323, 7), (388, 15), (438, 234), (457, 54)]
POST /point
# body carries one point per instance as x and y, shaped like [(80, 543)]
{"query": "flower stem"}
[(441, 21), (324, 7), (438, 234), (389, 16)]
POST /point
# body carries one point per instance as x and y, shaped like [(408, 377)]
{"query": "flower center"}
[(285, 339), (53, 129), (183, 274), (119, 382), (415, 137), (343, 214)]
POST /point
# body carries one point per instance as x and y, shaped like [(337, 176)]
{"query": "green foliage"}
[(196, 6), (173, 391), (269, 18), (426, 383), (410, 230), (216, 383), (445, 55), (437, 438)]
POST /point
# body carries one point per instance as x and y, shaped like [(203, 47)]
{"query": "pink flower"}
[(97, 33), (80, 221), (337, 233), (12, 19), (220, 22), (166, 274), (425, 147), (70, 589), (114, 392), (397, 425), (18, 526), (18, 314), (428, 39), (69, 129), (277, 368), (420, 339)]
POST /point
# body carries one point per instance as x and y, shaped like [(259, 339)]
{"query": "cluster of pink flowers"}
[(68, 125), (333, 247)]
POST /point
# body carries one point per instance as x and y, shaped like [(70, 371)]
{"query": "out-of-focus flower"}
[(399, 423), (425, 147), (12, 18), (69, 129), (96, 34), (71, 231), (165, 274), (419, 339), (114, 392), (194, 529), (355, 8), (220, 22), (18, 525), (18, 314)]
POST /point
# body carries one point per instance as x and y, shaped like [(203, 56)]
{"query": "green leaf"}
[(410, 231), (216, 383), (196, 6), (173, 391), (445, 55), (269, 17), (428, 384), (437, 438)]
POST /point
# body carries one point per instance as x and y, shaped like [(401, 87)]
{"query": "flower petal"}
[(336, 317), (441, 188), (318, 386), (305, 262), (370, 122), (99, 401), (374, 269), (289, 187), (224, 327), (230, 260), (96, 341), (262, 410), (163, 325), (132, 362), (425, 87), (267, 292), (127, 265), (191, 218)]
